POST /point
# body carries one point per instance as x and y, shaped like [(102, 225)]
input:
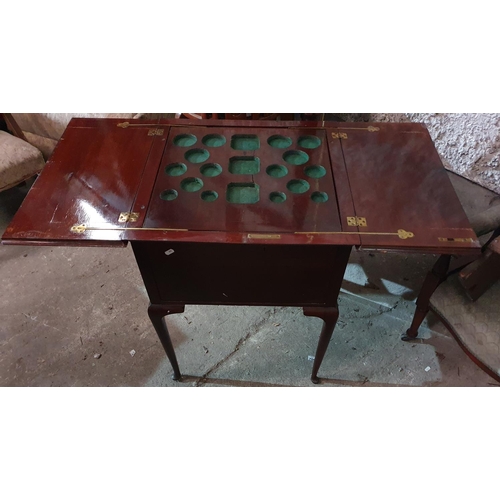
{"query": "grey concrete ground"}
[(77, 317)]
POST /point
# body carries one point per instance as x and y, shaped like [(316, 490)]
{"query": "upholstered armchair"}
[(43, 130), (19, 160), (31, 138)]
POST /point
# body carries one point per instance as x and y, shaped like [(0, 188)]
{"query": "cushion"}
[(44, 130), (44, 144), (18, 160)]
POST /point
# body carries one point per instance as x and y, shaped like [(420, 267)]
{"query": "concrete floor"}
[(77, 317)]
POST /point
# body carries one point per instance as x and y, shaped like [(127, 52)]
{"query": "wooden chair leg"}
[(329, 315), (13, 127), (434, 278), (157, 313)]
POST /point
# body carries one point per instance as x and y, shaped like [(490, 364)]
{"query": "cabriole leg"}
[(329, 315), (157, 313)]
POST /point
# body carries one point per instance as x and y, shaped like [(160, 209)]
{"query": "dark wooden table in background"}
[(247, 213)]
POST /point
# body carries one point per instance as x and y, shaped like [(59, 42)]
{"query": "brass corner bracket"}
[(404, 235)]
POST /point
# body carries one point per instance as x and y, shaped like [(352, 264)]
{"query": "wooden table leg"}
[(434, 278), (329, 315), (157, 313)]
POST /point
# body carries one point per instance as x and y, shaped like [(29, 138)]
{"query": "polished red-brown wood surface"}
[(90, 179), (284, 197), (388, 175), (213, 273), (398, 182), (344, 196)]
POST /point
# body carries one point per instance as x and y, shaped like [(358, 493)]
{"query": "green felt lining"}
[(277, 171), (243, 192), (298, 186), (296, 157), (214, 140), (279, 141), (209, 196), (169, 195), (197, 155), (185, 140), (247, 165), (277, 197), (319, 197), (175, 169), (245, 142), (192, 184), (315, 171), (211, 170), (309, 142)]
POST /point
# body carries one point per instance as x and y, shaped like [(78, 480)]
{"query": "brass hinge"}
[(461, 240), (356, 221), (151, 131), (155, 131), (339, 135), (370, 129), (128, 217)]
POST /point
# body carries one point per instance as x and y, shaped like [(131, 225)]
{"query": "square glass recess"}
[(245, 142), (247, 165), (242, 192)]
